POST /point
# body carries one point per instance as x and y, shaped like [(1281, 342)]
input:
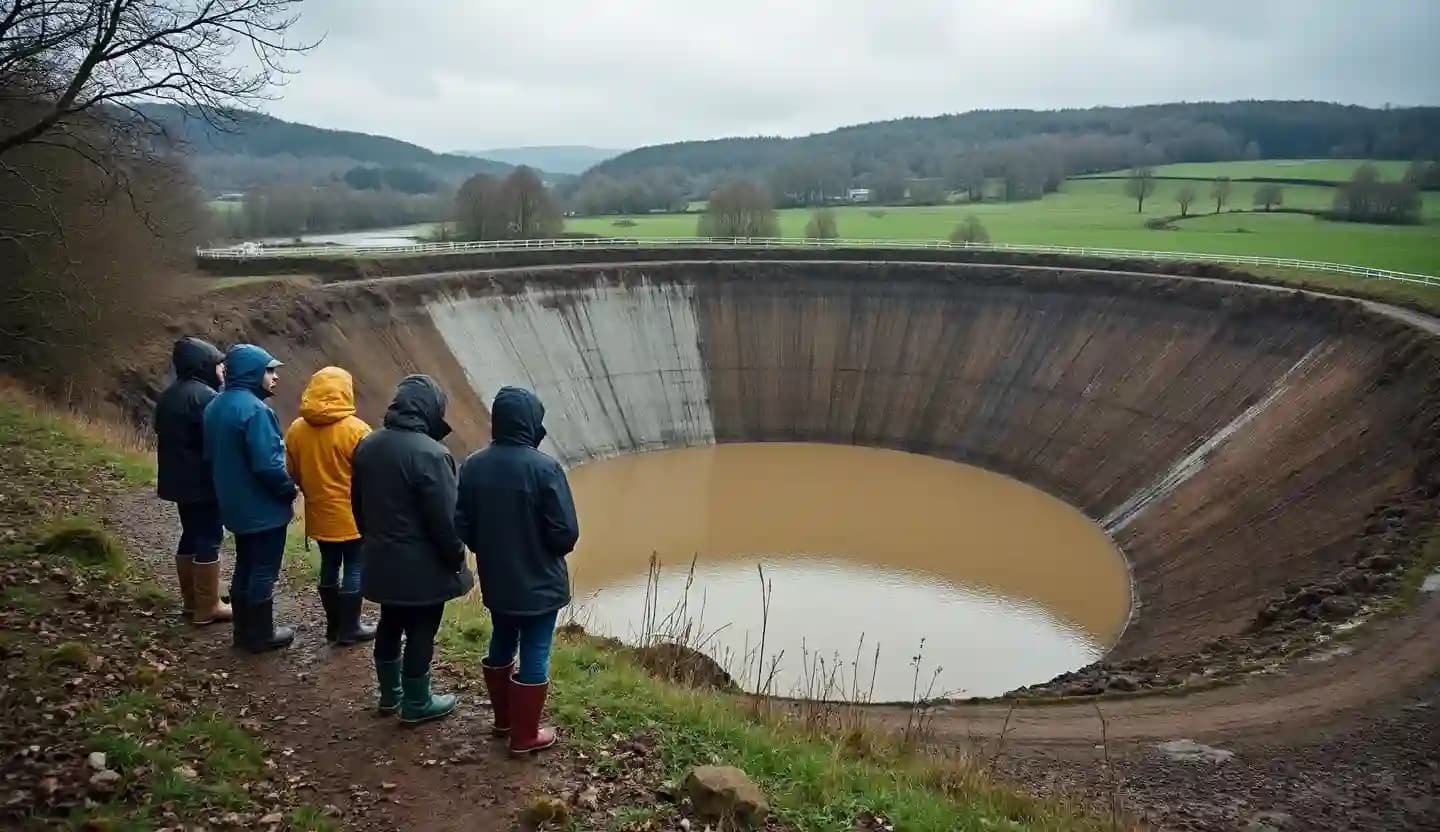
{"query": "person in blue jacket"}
[(516, 513), (246, 451)]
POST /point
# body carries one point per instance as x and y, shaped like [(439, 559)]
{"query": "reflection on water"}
[(1006, 585), (402, 235)]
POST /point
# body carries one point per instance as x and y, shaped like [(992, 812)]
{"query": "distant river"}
[(401, 235)]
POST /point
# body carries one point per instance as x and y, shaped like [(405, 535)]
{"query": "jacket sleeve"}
[(437, 486), (266, 452), (559, 526), (292, 463), (195, 417), (464, 520), (355, 501)]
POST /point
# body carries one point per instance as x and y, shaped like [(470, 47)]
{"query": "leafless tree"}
[(1140, 184), (62, 59), (1269, 195), (739, 209), (822, 225), (1220, 192), (87, 262), (967, 174), (530, 211), (970, 230), (479, 214), (1185, 196)]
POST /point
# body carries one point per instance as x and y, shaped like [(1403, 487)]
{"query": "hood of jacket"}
[(245, 366), (419, 405), (329, 397), (516, 418), (196, 359)]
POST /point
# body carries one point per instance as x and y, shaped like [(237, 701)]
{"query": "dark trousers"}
[(200, 531), (418, 626), (532, 636), (258, 557), (341, 562)]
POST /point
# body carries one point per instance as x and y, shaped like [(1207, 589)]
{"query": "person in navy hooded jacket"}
[(246, 451)]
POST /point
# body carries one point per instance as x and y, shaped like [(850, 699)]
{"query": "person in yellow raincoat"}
[(319, 450)]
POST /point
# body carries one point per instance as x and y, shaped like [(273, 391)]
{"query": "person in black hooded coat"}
[(184, 475), (403, 496), (517, 515)]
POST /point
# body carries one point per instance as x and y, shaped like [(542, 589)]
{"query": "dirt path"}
[(314, 704)]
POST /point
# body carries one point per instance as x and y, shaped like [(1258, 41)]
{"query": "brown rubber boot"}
[(208, 606), (497, 682), (526, 703), (184, 575)]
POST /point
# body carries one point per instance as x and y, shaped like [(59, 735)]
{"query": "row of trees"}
[(514, 208), (1366, 198), (1141, 184), (1078, 141), (745, 209), (293, 210)]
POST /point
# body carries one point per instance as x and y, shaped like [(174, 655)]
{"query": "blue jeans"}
[(257, 564), (200, 531), (532, 634), (334, 555)]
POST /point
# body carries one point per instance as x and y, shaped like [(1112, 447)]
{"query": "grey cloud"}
[(475, 74)]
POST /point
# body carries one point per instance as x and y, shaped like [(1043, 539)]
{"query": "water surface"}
[(1005, 584)]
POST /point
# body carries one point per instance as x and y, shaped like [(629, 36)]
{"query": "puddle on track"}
[(1007, 585)]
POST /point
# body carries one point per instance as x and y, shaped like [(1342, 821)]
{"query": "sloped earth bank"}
[(1268, 461)]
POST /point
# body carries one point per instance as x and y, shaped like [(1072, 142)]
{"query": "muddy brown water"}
[(1005, 584)]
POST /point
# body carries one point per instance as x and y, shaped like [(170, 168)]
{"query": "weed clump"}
[(83, 541), (70, 653)]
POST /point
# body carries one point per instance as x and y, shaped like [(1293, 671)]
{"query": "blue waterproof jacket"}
[(246, 449), (515, 512)]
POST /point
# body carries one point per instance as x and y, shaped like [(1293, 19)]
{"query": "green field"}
[(1097, 213), (1333, 170)]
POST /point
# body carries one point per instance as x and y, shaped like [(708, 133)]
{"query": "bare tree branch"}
[(65, 57)]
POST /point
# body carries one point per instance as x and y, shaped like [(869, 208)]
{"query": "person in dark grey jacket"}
[(184, 475), (516, 514), (403, 496)]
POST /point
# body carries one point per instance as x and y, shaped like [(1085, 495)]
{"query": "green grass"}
[(812, 782), (152, 753), (1333, 170), (71, 445), (1098, 214)]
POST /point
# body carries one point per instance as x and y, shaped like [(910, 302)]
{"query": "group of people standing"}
[(391, 513)]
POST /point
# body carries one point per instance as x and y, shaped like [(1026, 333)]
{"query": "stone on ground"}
[(726, 793), (1190, 751)]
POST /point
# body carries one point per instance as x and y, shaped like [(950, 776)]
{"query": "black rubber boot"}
[(239, 621), (261, 629), (329, 599), (352, 630)]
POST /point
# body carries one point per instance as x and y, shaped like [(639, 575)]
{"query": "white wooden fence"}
[(251, 251)]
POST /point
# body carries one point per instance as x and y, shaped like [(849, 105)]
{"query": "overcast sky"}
[(472, 74)]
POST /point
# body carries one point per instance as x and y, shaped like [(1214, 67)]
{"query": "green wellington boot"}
[(420, 704), (387, 675)]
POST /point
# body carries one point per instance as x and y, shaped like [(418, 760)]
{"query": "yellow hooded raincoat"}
[(319, 449)]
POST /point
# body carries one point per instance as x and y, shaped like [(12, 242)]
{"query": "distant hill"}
[(260, 149), (558, 158), (1032, 150)]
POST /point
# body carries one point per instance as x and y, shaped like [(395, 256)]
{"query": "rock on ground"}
[(726, 792)]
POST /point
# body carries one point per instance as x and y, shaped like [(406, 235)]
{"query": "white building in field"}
[(858, 194)]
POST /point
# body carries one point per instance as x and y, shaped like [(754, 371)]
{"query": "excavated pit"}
[(1242, 446)]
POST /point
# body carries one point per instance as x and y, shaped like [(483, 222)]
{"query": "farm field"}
[(1097, 213)]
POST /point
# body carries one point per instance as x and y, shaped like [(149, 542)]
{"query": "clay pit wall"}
[(1233, 440)]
